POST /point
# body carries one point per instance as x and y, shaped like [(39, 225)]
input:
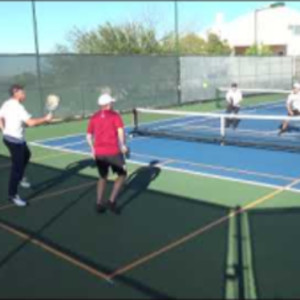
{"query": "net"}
[(253, 130), (268, 101)]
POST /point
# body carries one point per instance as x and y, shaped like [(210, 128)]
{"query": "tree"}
[(130, 38), (261, 50), (216, 46), (192, 44), (139, 38), (26, 78)]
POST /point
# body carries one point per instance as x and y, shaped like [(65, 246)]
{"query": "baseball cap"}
[(105, 99), (296, 85)]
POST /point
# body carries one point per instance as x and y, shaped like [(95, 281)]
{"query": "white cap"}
[(296, 85), (105, 99)]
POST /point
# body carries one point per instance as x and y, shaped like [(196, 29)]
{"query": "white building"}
[(277, 27)]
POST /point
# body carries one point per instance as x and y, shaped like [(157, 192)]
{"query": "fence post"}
[(177, 51), (37, 54)]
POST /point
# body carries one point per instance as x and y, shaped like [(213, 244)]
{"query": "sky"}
[(56, 19)]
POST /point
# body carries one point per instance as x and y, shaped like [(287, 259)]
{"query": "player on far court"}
[(106, 137), (292, 105), (234, 98), (13, 120)]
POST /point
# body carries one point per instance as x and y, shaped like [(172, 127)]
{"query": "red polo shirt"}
[(104, 126)]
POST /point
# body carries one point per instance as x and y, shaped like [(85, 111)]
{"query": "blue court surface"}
[(261, 167)]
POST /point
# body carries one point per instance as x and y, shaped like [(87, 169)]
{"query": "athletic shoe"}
[(25, 183), (18, 201), (100, 208), (113, 207)]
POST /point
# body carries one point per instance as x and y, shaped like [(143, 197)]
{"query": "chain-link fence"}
[(145, 81), (297, 68), (77, 79), (200, 76)]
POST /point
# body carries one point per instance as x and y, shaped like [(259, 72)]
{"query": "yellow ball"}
[(204, 85)]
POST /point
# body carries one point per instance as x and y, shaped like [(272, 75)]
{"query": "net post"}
[(37, 54), (177, 54), (135, 120), (222, 128)]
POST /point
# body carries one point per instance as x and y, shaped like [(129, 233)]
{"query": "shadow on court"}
[(137, 183), (67, 222), (71, 170)]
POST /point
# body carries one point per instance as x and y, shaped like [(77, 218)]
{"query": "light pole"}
[(273, 5)]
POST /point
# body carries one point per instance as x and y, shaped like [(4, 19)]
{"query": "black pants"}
[(235, 122), (20, 156)]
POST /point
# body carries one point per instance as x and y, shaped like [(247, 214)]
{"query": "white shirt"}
[(294, 101), (15, 116), (234, 97)]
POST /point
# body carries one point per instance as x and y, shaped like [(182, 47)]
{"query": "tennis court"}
[(167, 146), (180, 231)]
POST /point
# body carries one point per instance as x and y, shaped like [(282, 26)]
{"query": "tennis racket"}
[(52, 103)]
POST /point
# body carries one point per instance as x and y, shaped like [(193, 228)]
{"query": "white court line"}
[(203, 174), (178, 170), (59, 138), (218, 167)]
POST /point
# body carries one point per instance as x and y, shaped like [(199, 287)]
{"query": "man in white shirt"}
[(292, 106), (13, 120), (234, 98)]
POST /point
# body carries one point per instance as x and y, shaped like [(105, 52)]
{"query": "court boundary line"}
[(200, 231), (58, 253), (197, 164), (178, 170), (57, 138)]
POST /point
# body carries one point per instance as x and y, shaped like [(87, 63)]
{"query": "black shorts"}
[(115, 162), (233, 109), (296, 112)]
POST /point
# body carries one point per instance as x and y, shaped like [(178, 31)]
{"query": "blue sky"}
[(56, 19)]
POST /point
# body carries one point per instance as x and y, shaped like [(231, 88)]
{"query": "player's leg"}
[(228, 121), (236, 121), (284, 126), (17, 159), (119, 167), (27, 155), (102, 166)]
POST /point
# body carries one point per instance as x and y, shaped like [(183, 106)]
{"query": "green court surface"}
[(174, 238)]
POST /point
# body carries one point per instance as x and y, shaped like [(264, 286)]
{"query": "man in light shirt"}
[(292, 106), (234, 98), (13, 120)]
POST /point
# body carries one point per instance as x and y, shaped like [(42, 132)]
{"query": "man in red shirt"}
[(106, 137)]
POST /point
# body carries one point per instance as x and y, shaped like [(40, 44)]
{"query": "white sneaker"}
[(25, 183), (18, 201)]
